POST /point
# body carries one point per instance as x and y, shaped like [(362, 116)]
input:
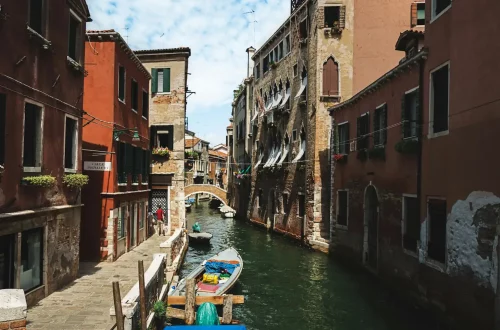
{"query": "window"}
[(145, 166), (145, 104), (380, 126), (75, 38), (3, 109), (287, 45), (32, 153), (161, 80), (294, 135), (409, 113), (7, 262), (343, 138), (332, 16), (330, 77), (363, 126), (342, 207), (303, 29), (121, 83), (439, 6), (265, 67), (121, 222), (295, 70), (411, 223), (137, 163), (417, 14), (257, 71), (439, 99), (436, 249), (125, 162), (281, 53), (142, 216), (271, 57), (260, 198), (163, 136), (70, 143), (36, 15), (31, 259), (302, 206), (134, 89)]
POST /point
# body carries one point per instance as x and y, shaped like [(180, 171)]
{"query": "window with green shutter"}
[(363, 129), (409, 112), (380, 126), (161, 80), (343, 138)]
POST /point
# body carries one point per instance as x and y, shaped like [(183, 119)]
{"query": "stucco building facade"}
[(169, 71), (414, 190), (309, 64), (116, 149), (41, 110)]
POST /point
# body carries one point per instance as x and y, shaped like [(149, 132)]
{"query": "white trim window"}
[(439, 7), (134, 95), (122, 78), (70, 143), (411, 223), (33, 136), (343, 208), (37, 17), (439, 100), (343, 138), (75, 43), (380, 126), (409, 113)]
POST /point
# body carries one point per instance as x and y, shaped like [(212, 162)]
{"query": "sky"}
[(218, 33)]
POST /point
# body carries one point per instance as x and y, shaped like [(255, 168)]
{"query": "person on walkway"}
[(159, 218)]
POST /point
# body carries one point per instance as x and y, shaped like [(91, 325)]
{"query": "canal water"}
[(288, 287)]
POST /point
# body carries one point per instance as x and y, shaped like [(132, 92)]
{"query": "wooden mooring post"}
[(142, 296), (117, 299), (227, 310), (190, 301)]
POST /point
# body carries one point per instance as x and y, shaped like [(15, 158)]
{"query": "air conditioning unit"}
[(352, 146)]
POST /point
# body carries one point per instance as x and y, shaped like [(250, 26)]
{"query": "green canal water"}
[(287, 286)]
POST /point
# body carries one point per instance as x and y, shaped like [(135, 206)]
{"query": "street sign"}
[(97, 166)]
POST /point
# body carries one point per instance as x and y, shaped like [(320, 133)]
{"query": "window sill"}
[(120, 239), (69, 170), (410, 138), (75, 65), (410, 253), (122, 101), (134, 110), (122, 185), (346, 228), (440, 14), (46, 44), (135, 183), (32, 169), (163, 93), (329, 98), (145, 118), (436, 135), (439, 266)]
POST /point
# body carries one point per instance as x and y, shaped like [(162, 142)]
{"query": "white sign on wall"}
[(97, 166)]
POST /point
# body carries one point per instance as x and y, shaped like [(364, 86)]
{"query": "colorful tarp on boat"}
[(219, 267)]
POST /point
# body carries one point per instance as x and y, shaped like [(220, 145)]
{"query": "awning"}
[(276, 157), (301, 152), (256, 115), (302, 87), (269, 103), (271, 156), (287, 96), (277, 100), (259, 161), (285, 153)]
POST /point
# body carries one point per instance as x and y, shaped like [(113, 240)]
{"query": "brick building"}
[(323, 53), (217, 172), (415, 195), (41, 86), (169, 71), (197, 159), (116, 152)]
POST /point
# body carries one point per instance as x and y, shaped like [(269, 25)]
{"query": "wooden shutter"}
[(414, 14), (384, 124), (166, 80), (403, 116), (330, 77), (376, 126), (154, 81), (342, 17)]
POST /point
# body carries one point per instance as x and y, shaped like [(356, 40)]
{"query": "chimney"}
[(251, 52)]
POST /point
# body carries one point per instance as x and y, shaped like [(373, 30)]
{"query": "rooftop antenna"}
[(127, 28), (254, 21)]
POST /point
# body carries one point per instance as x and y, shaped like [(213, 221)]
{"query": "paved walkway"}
[(85, 304)]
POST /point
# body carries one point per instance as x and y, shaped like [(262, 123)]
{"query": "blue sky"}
[(218, 33)]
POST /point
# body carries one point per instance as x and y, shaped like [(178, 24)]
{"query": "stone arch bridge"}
[(212, 190)]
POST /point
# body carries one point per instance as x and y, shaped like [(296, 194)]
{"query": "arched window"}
[(330, 78)]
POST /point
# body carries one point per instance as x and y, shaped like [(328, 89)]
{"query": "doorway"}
[(371, 209)]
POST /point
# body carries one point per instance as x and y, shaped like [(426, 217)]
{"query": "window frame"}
[(43, 244), (34, 169), (431, 133), (345, 123), (435, 16), (339, 75), (145, 101), (79, 39), (416, 5), (43, 19), (438, 265), (122, 216), (404, 224), (132, 82), (408, 92), (75, 145), (377, 113), (287, 45), (339, 6), (162, 69), (337, 209), (124, 84)]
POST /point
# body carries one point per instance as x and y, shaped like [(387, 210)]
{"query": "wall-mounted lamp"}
[(135, 136)]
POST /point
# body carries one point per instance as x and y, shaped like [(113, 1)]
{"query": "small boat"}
[(223, 269), (200, 237), (188, 206), (228, 214)]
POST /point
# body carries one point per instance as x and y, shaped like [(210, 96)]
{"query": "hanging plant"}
[(362, 155), (273, 65), (75, 180), (162, 152), (39, 180), (408, 146), (191, 154), (340, 158), (377, 153)]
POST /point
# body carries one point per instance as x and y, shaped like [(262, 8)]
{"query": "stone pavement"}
[(85, 304)]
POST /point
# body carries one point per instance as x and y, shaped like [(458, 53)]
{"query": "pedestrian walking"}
[(159, 218)]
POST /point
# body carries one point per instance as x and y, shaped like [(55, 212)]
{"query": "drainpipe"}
[(420, 121)]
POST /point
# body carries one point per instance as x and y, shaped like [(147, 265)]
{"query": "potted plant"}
[(75, 180), (161, 152), (340, 158), (44, 181), (273, 65), (160, 314)]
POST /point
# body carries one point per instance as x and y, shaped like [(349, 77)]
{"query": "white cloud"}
[(218, 33)]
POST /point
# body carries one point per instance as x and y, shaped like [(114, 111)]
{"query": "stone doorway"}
[(371, 215)]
